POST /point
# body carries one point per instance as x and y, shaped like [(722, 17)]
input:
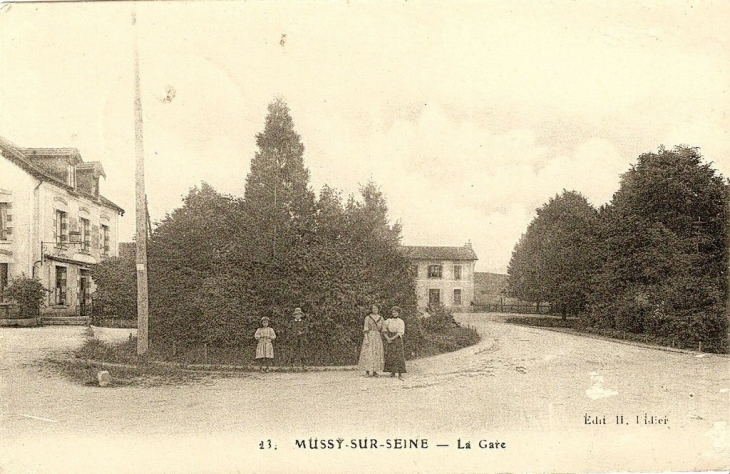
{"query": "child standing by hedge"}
[(265, 348)]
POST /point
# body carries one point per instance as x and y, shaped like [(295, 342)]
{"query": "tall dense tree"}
[(378, 242), (556, 258), (278, 204), (525, 270), (665, 262), (185, 249)]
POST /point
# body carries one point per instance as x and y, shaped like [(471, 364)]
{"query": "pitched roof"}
[(72, 153), (94, 166), (18, 156), (417, 252)]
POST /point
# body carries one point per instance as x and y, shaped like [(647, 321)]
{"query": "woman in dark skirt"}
[(395, 359)]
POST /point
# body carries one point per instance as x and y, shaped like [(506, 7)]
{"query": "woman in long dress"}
[(395, 359), (265, 348), (371, 354)]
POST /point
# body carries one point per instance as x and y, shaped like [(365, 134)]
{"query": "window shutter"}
[(55, 226), (78, 289), (95, 237), (64, 286), (64, 227), (6, 220)]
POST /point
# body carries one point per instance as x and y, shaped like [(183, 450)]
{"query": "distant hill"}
[(489, 287)]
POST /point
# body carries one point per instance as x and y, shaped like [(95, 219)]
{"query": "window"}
[(414, 271), (457, 297), (6, 219), (60, 297), (85, 234), (105, 239), (3, 279), (434, 297), (457, 272), (434, 271), (61, 227)]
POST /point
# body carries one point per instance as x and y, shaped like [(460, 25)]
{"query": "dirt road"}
[(543, 394)]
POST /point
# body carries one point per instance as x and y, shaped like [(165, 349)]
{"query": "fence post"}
[(174, 349), (700, 346), (205, 353)]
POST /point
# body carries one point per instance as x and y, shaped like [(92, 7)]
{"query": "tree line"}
[(652, 261)]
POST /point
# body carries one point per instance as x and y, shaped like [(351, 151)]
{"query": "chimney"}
[(468, 244)]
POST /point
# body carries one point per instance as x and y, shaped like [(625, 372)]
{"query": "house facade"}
[(54, 223), (444, 275)]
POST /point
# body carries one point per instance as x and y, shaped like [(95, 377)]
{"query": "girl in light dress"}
[(265, 349)]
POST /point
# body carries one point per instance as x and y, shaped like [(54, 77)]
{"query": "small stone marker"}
[(104, 378)]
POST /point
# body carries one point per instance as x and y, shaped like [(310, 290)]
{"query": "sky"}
[(468, 115)]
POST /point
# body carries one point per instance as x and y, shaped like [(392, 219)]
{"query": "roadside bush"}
[(543, 321), (414, 337), (28, 293), (116, 289), (449, 340), (439, 319)]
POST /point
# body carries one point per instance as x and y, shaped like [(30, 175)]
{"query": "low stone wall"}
[(20, 322)]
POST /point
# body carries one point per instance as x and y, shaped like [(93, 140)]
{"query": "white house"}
[(444, 275), (54, 223)]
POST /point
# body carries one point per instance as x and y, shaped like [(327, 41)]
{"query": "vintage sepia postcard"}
[(350, 236)]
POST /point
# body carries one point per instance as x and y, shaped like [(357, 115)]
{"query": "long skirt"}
[(395, 359), (371, 354), (264, 349)]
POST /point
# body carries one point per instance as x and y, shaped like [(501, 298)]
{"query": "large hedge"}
[(116, 294), (218, 263)]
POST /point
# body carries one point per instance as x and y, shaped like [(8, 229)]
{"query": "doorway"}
[(85, 293)]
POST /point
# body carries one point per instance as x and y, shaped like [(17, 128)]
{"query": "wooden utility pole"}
[(140, 208)]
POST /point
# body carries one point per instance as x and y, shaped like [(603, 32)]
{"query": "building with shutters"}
[(54, 223), (444, 275)]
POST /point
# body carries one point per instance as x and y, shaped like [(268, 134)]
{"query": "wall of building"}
[(446, 284), (55, 198), (17, 188), (34, 204)]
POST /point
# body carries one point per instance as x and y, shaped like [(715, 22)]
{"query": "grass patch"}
[(544, 321), (152, 369), (195, 364), (85, 373), (122, 362), (115, 323), (577, 325)]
